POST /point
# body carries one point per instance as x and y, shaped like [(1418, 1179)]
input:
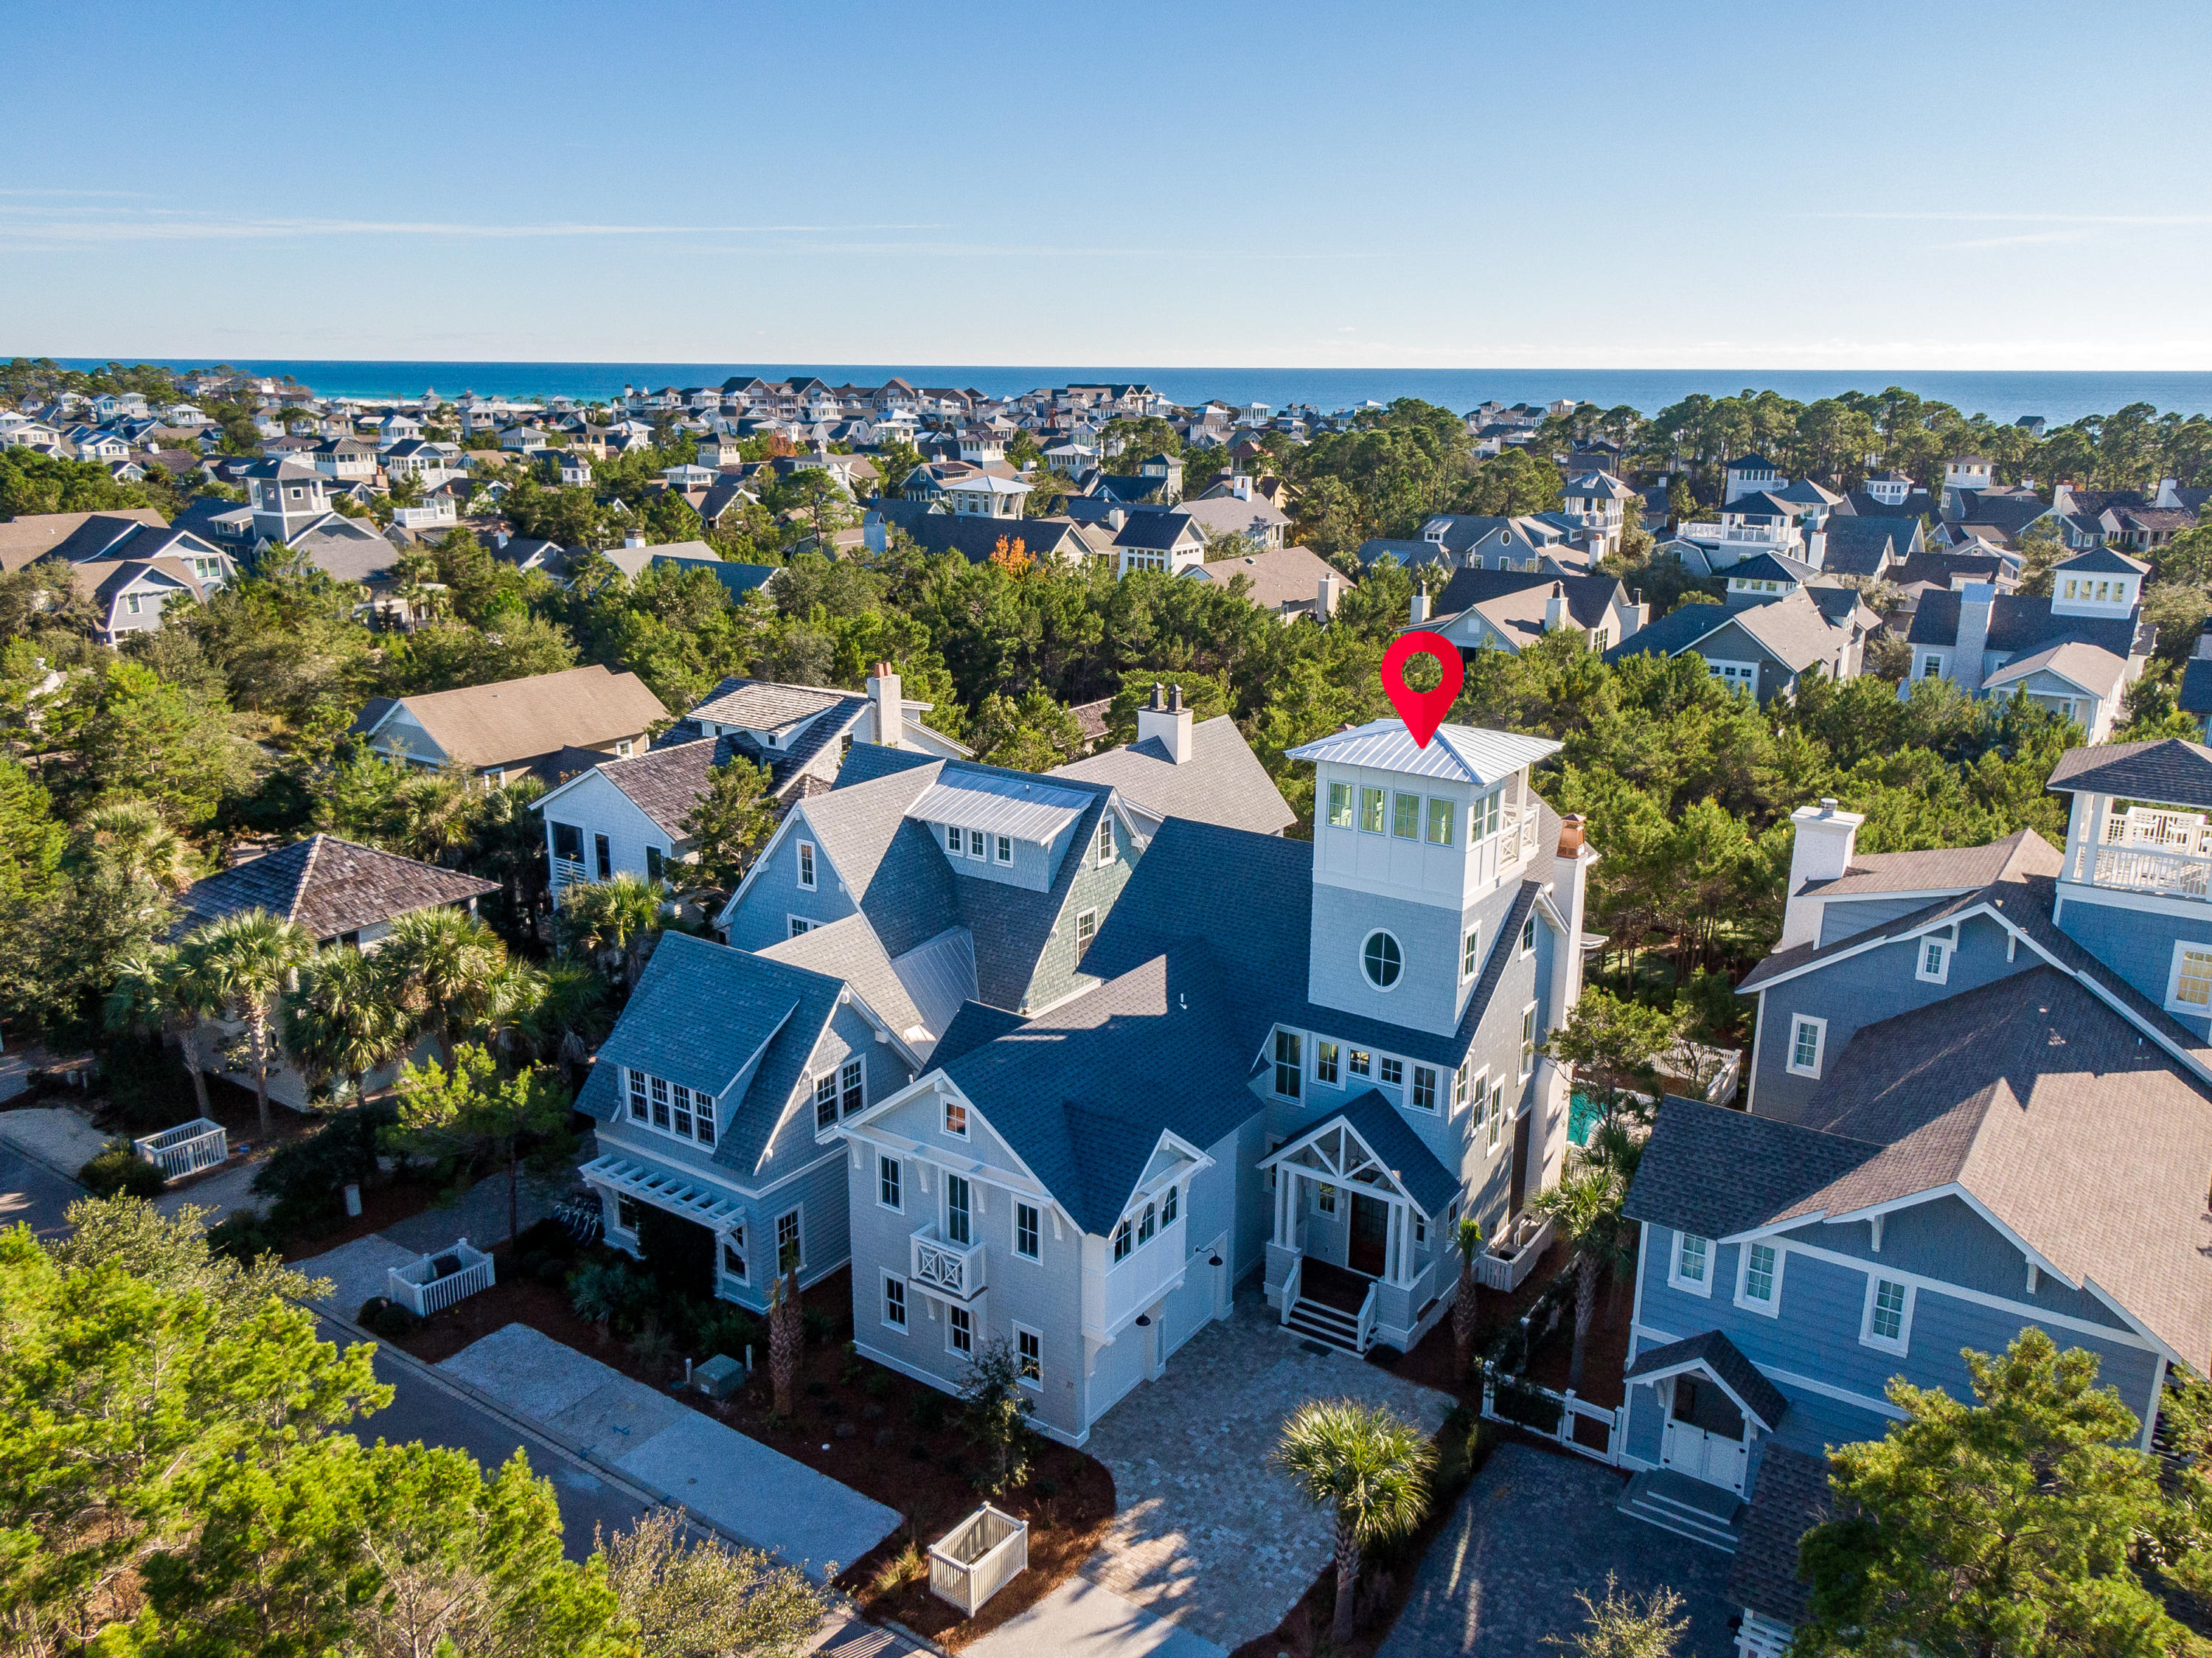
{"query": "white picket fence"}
[(1571, 1411), (978, 1557), (438, 1279), (186, 1149)]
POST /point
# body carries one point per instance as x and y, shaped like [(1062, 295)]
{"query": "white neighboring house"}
[(625, 815), (549, 723), (986, 494), (342, 894), (438, 511)]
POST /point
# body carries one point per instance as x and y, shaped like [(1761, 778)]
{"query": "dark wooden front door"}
[(1370, 1231), (1520, 1164)]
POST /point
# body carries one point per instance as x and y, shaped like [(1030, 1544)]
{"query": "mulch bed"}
[(923, 1473), (385, 1201)]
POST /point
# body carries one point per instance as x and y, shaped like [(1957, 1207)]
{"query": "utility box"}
[(719, 1377)]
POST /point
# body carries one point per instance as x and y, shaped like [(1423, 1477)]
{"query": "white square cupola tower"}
[(1408, 843)]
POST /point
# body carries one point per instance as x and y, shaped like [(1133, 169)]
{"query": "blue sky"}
[(1471, 185)]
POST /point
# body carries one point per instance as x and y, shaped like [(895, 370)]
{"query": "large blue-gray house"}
[(1980, 1098)]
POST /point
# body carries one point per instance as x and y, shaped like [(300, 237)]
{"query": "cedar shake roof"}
[(520, 719), (28, 539), (2169, 771), (1286, 576), (1791, 1497), (1993, 1092), (331, 887), (2018, 856)]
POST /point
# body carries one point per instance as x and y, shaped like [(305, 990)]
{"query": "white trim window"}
[(1808, 1036), (1327, 1062), (959, 1331), (1028, 1234), (1691, 1266), (1442, 825), (799, 924), (1886, 1322), (891, 1184), (807, 865), (1425, 1088), (790, 1242), (1468, 957), (895, 1303), (955, 842), (959, 1223), (1086, 932), (1528, 1040), (1528, 935), (1380, 960), (1497, 1112), (1459, 1089), (1003, 848), (1125, 1239), (853, 1086), (1325, 1198), (2188, 985), (1289, 1064), (733, 1255), (956, 1118), (1759, 1277), (1106, 853), (670, 1108), (825, 1102), (1391, 1073), (1029, 1356), (974, 843), (1933, 964), (625, 1215), (1340, 805), (1370, 810)]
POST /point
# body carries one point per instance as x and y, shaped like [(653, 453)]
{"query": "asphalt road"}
[(420, 1408)]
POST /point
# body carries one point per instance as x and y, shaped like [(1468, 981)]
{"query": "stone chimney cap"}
[(1159, 699), (1174, 699)]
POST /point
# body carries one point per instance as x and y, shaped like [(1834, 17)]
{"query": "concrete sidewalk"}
[(1083, 1619), (52, 1136), (738, 1483)]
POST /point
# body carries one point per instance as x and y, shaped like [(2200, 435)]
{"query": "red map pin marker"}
[(1423, 711)]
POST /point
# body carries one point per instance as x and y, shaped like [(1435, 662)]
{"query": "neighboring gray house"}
[(504, 729), (1181, 767), (1775, 628), (1505, 609), (1940, 1036)]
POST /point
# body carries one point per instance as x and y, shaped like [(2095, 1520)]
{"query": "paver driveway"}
[(1208, 1534), (1533, 1528)]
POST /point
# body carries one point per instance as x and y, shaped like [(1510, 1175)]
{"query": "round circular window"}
[(1381, 958)]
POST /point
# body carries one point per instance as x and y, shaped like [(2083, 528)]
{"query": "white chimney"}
[(885, 692), (1115, 518), (1325, 600), (1821, 843), (2167, 496), (2204, 643), (1420, 607), (1241, 487), (1571, 893), (1975, 600), (1169, 721), (634, 539), (1555, 608)]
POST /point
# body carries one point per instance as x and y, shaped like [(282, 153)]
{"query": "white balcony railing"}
[(1112, 1297), (565, 870), (184, 1149), (1513, 1256), (949, 1269), (2147, 850)]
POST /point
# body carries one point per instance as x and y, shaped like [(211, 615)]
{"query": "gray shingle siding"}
[(2137, 945), (775, 895), (1841, 918), (1858, 991)]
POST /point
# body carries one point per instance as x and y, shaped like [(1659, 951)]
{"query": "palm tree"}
[(163, 989), (1371, 1466), (344, 1019), (1467, 1238), (1612, 1144), (133, 838), (1585, 1211), (569, 1016), (449, 968), (614, 922), (507, 843), (248, 959)]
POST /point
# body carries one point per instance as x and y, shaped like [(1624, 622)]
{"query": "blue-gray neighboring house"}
[(1979, 1099)]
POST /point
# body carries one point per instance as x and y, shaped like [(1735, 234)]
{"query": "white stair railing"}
[(1290, 1286), (1366, 1331)]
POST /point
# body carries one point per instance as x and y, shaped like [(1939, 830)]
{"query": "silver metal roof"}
[(1461, 752), (1006, 805)]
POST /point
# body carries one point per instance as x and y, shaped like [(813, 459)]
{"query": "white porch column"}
[(1393, 1240)]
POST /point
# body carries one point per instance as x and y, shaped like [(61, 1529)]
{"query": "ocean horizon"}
[(2002, 394)]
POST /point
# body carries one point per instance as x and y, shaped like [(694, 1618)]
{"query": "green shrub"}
[(382, 1316), (928, 1410), (244, 1235), (307, 1180), (545, 1237), (147, 1084), (679, 1253), (822, 1329), (611, 1292), (120, 1171), (878, 1384)]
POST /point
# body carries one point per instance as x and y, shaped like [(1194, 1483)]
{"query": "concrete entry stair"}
[(1688, 1507), (1325, 1324)]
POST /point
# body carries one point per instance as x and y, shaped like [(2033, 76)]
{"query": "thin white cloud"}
[(1950, 215), (2025, 239), (53, 227)]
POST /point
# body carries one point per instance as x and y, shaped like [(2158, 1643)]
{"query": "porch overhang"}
[(1717, 1359), (663, 1189), (1366, 1145)]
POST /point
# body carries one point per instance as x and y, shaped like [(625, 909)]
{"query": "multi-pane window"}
[(1528, 1039), (1442, 812), (1370, 810), (956, 1118), (1392, 1072), (806, 864), (1340, 805), (1380, 960), (1805, 1038), (1289, 1062), (852, 1087), (1147, 1224), (734, 1253), (1025, 1231), (1124, 1240), (2193, 978), (1028, 1358), (1325, 1199), (1482, 822), (1005, 848), (682, 1103), (702, 1117), (1405, 817), (825, 1100), (1759, 1273), (800, 925), (1325, 1062), (890, 1183), (956, 1209), (1458, 1090), (959, 1330), (1087, 928), (1496, 1111), (1467, 953), (895, 1303), (1886, 1315), (955, 842), (1360, 1062), (974, 843), (787, 1242), (1689, 1253), (1168, 1206), (659, 1087), (1105, 840), (1425, 1088), (637, 1107), (626, 1214), (1528, 935)]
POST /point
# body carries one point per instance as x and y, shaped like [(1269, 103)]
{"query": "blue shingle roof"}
[(1391, 1138)]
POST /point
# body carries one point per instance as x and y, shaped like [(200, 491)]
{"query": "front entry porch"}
[(1698, 1414), (1361, 1211), (623, 1184)]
